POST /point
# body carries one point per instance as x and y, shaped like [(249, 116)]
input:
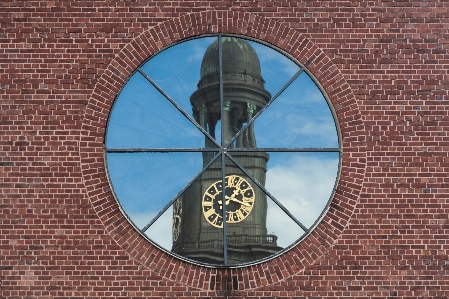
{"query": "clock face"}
[(239, 200), (177, 211)]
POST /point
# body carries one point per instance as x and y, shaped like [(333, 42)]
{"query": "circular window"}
[(222, 151)]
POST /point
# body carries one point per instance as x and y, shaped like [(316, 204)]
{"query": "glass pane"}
[(199, 236), (299, 118), (243, 87), (145, 182), (189, 74), (281, 227), (161, 230), (177, 69), (143, 118), (246, 208), (218, 132), (277, 69), (302, 182)]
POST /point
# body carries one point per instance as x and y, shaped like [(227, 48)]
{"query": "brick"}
[(383, 66)]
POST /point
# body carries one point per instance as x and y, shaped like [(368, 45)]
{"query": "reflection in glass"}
[(282, 226), (302, 182), (161, 230), (175, 69), (145, 182), (200, 235), (246, 209), (299, 118), (276, 69), (143, 118), (243, 89), (256, 193)]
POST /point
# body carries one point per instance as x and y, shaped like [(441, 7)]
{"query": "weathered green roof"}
[(238, 57)]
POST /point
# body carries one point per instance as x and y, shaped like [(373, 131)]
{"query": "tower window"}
[(222, 151)]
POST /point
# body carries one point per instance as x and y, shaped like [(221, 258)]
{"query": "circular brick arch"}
[(352, 129)]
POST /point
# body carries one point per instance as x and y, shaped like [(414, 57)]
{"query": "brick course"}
[(384, 67)]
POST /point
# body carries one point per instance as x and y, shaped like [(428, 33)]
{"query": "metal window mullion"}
[(299, 150), (223, 162), (223, 200), (160, 150), (196, 150)]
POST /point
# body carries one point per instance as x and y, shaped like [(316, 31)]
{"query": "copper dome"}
[(238, 58)]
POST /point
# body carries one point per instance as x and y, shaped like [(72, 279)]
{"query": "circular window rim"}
[(277, 35), (325, 207)]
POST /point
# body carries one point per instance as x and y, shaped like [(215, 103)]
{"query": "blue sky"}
[(142, 118)]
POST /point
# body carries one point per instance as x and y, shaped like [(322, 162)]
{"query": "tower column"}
[(203, 113), (204, 122), (250, 108), (227, 126)]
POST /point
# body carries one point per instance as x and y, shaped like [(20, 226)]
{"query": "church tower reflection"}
[(197, 213)]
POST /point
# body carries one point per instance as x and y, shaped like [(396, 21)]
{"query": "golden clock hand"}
[(234, 193), (229, 198), (227, 202), (236, 200)]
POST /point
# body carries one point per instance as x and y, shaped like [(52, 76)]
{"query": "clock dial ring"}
[(239, 200)]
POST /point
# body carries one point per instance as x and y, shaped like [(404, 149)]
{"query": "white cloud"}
[(321, 129), (295, 129), (303, 186), (161, 231)]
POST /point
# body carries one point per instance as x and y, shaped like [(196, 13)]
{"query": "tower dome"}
[(238, 58), (243, 84)]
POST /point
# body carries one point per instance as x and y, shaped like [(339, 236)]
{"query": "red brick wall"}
[(384, 67)]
